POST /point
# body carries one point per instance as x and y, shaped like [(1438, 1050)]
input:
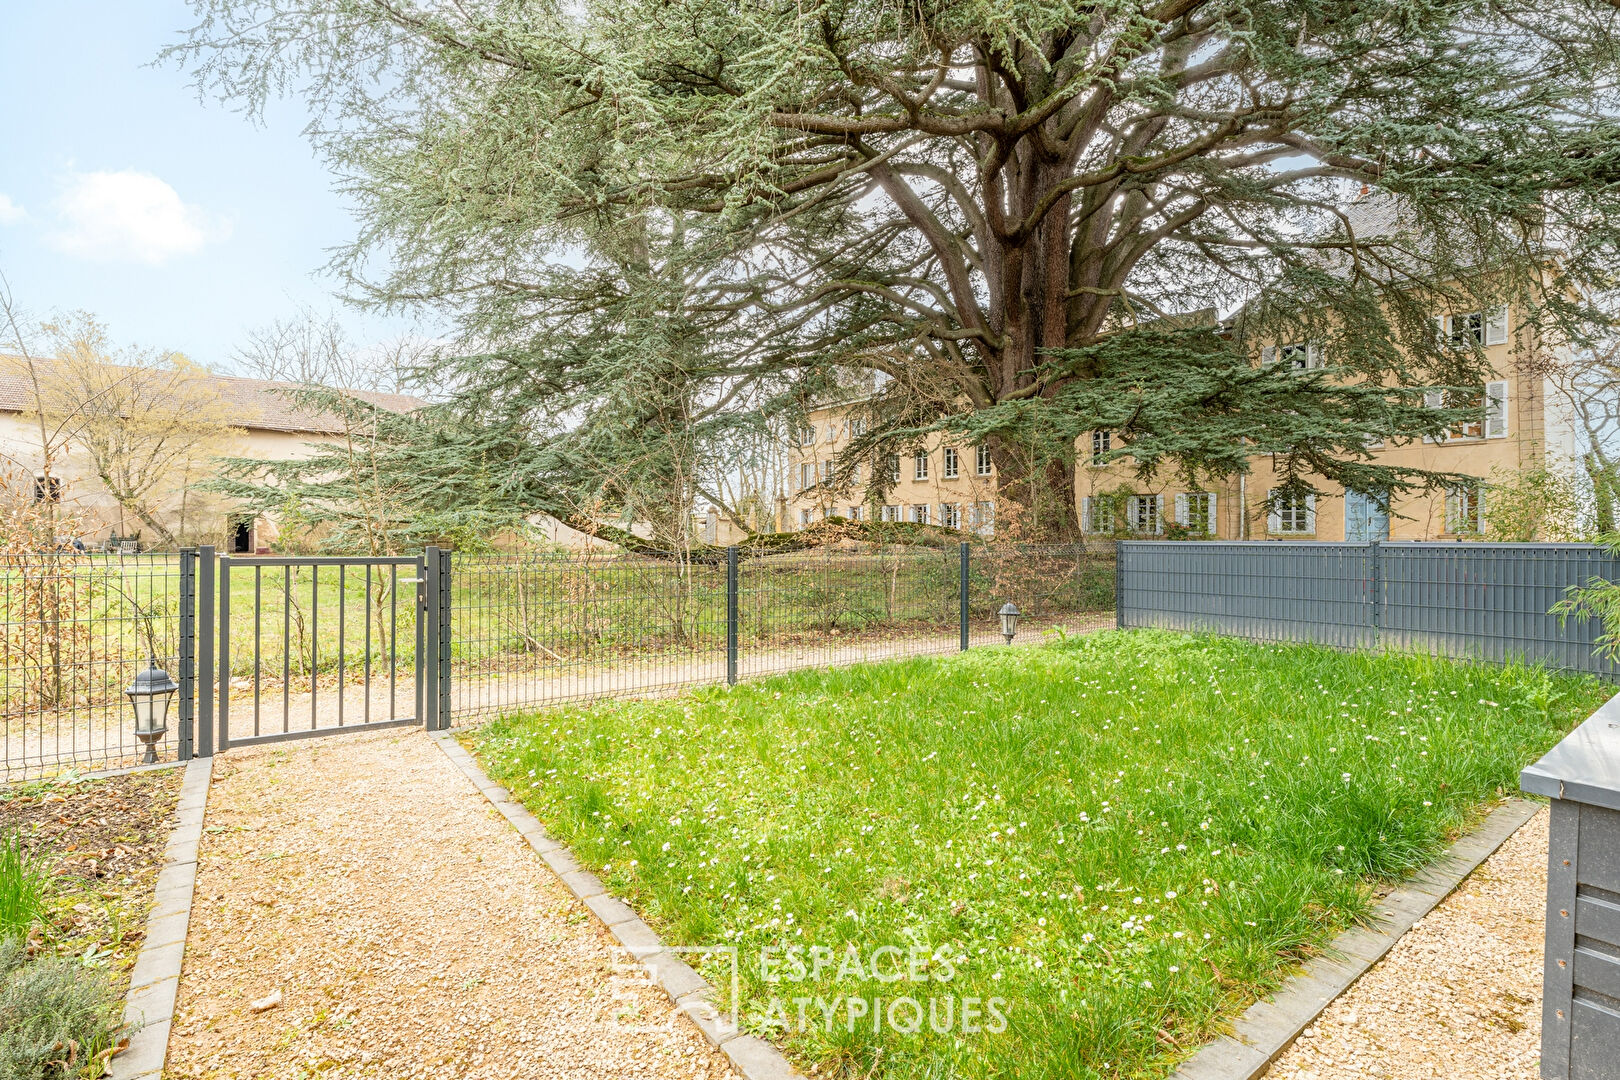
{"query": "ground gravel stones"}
[(1458, 997), (408, 929)]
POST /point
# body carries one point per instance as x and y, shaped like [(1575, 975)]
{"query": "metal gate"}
[(313, 645)]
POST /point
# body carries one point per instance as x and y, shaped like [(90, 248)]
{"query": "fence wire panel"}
[(531, 630), (1263, 590), (1052, 585), (1490, 601), (829, 607), (75, 629)]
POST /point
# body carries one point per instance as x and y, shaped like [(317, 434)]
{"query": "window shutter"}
[(1310, 514), (1273, 518), (1496, 326), (1440, 322), (1496, 410), (1268, 354), (1181, 510), (1210, 524), (1313, 355), (1158, 513), (1088, 522)]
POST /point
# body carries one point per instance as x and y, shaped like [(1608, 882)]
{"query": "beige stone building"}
[(1523, 424), (264, 425)]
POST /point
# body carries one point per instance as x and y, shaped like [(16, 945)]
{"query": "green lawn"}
[(1123, 837)]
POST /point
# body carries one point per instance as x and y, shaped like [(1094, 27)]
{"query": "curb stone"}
[(1268, 1028), (753, 1058), (154, 981)]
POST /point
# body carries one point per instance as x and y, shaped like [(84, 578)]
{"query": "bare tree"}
[(312, 349)]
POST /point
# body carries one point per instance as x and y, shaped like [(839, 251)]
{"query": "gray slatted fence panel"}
[(1266, 591), (1490, 601), (1484, 601)]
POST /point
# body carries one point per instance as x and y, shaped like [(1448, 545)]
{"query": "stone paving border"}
[(1268, 1028), (752, 1057), (155, 979)]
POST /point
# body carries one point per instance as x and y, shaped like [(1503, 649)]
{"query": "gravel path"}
[(1458, 997), (408, 930)]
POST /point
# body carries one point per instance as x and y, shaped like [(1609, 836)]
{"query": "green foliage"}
[(1538, 503), (22, 886), (762, 210), (58, 1018), (1122, 834), (1599, 598)]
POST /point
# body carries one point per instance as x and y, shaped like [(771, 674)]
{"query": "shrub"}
[(57, 1018)]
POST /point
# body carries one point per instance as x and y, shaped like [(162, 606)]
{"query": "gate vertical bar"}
[(187, 651), (205, 651), (427, 640), (223, 679), (731, 615), (962, 595), (442, 680), (1375, 576)]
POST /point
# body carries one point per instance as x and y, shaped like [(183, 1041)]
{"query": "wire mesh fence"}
[(270, 648), (532, 630), (75, 629), (1474, 600)]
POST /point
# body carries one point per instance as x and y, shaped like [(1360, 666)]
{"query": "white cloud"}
[(10, 212), (130, 216)]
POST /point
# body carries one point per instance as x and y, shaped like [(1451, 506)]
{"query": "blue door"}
[(1366, 517)]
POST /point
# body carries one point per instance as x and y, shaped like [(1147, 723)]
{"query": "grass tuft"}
[(1123, 837), (23, 882)]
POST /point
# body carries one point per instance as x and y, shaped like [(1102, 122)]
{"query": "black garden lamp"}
[(1009, 620), (150, 694)]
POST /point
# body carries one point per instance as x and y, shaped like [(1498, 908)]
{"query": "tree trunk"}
[(1036, 498)]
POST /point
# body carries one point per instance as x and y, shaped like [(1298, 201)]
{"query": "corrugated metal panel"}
[(1485, 601)]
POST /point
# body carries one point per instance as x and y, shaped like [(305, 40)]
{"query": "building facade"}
[(1523, 424)]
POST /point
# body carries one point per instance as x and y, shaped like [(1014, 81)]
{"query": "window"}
[(919, 513), (894, 468), (854, 513), (1492, 421), (921, 469), (1143, 513), (47, 489), (1299, 356), (1465, 507), (857, 427), (827, 470), (891, 513), (1101, 442), (1195, 511), (984, 518), (950, 515), (1466, 329), (953, 464), (832, 432), (807, 436), (804, 518), (1291, 515), (855, 473), (984, 461), (807, 475), (1097, 514)]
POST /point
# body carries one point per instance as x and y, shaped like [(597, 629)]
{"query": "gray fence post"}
[(731, 615), (1119, 584), (962, 595), (204, 600), (1375, 573), (186, 651)]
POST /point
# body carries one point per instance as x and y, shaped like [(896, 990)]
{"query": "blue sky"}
[(176, 221)]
